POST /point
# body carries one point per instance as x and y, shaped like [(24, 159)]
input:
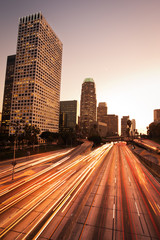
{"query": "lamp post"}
[(17, 127), (14, 162)]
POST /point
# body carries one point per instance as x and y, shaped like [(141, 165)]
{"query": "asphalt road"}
[(102, 194)]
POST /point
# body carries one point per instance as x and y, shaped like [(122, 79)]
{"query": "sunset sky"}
[(116, 42)]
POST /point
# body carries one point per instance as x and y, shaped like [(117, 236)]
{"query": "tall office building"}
[(124, 120), (88, 105), (37, 77), (156, 115), (68, 114), (133, 127), (101, 111), (8, 93)]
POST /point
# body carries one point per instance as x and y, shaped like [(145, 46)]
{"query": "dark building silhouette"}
[(112, 124), (124, 120), (6, 110), (68, 115), (156, 115)]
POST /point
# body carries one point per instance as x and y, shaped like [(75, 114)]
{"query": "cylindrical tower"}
[(88, 105)]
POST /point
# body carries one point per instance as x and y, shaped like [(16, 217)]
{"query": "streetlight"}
[(14, 161), (17, 127)]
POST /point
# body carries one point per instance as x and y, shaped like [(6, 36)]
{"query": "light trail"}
[(144, 197), (20, 215), (129, 209), (23, 166), (28, 179), (64, 198)]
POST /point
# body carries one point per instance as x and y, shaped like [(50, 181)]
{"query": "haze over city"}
[(114, 42)]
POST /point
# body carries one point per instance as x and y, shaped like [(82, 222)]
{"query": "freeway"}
[(101, 194)]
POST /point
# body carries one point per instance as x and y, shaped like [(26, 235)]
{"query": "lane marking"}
[(137, 209), (113, 210), (129, 179)]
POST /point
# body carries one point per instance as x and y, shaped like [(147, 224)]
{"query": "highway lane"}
[(114, 207), (10, 216), (29, 162), (25, 168), (105, 194), (25, 163)]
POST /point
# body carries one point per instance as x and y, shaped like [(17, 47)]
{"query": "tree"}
[(94, 135), (67, 137), (154, 130), (129, 123), (30, 134), (49, 137)]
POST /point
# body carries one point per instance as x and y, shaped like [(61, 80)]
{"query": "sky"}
[(115, 42)]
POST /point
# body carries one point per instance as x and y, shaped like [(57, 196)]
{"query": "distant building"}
[(124, 120), (62, 122), (101, 111), (156, 115), (133, 127), (6, 111), (37, 76), (88, 105), (0, 118), (112, 124), (102, 129), (68, 114), (111, 120)]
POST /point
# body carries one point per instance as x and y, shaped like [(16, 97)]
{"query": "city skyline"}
[(115, 43)]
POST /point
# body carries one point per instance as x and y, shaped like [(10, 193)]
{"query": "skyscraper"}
[(156, 115), (101, 111), (88, 105), (8, 93), (37, 77), (133, 127), (124, 120), (68, 114)]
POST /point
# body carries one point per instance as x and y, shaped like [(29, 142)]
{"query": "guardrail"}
[(153, 167), (148, 147)]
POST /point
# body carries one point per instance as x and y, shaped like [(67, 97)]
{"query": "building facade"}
[(37, 76), (6, 110), (102, 129), (133, 127), (112, 124), (111, 120), (156, 115), (88, 105), (124, 120), (68, 115), (101, 111)]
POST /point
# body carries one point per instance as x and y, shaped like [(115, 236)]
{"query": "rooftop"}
[(88, 80)]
